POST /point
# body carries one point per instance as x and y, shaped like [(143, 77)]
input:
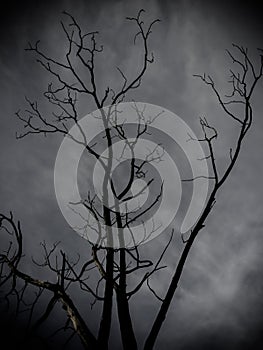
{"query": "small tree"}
[(114, 262)]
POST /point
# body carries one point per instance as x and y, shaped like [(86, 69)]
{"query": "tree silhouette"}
[(113, 260)]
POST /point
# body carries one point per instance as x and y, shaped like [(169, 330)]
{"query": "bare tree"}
[(113, 266)]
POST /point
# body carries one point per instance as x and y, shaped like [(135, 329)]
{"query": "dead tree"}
[(114, 266)]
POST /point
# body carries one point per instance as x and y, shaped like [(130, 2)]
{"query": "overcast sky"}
[(219, 302)]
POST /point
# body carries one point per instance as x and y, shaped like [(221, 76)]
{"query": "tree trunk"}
[(87, 338), (151, 339), (105, 324), (125, 322)]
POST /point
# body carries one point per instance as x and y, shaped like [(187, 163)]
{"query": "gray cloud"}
[(218, 304)]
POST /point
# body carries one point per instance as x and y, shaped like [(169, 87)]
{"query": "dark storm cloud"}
[(219, 302)]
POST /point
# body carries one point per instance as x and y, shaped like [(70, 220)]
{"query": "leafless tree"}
[(113, 266)]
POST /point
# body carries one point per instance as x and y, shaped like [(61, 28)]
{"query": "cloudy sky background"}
[(219, 302)]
